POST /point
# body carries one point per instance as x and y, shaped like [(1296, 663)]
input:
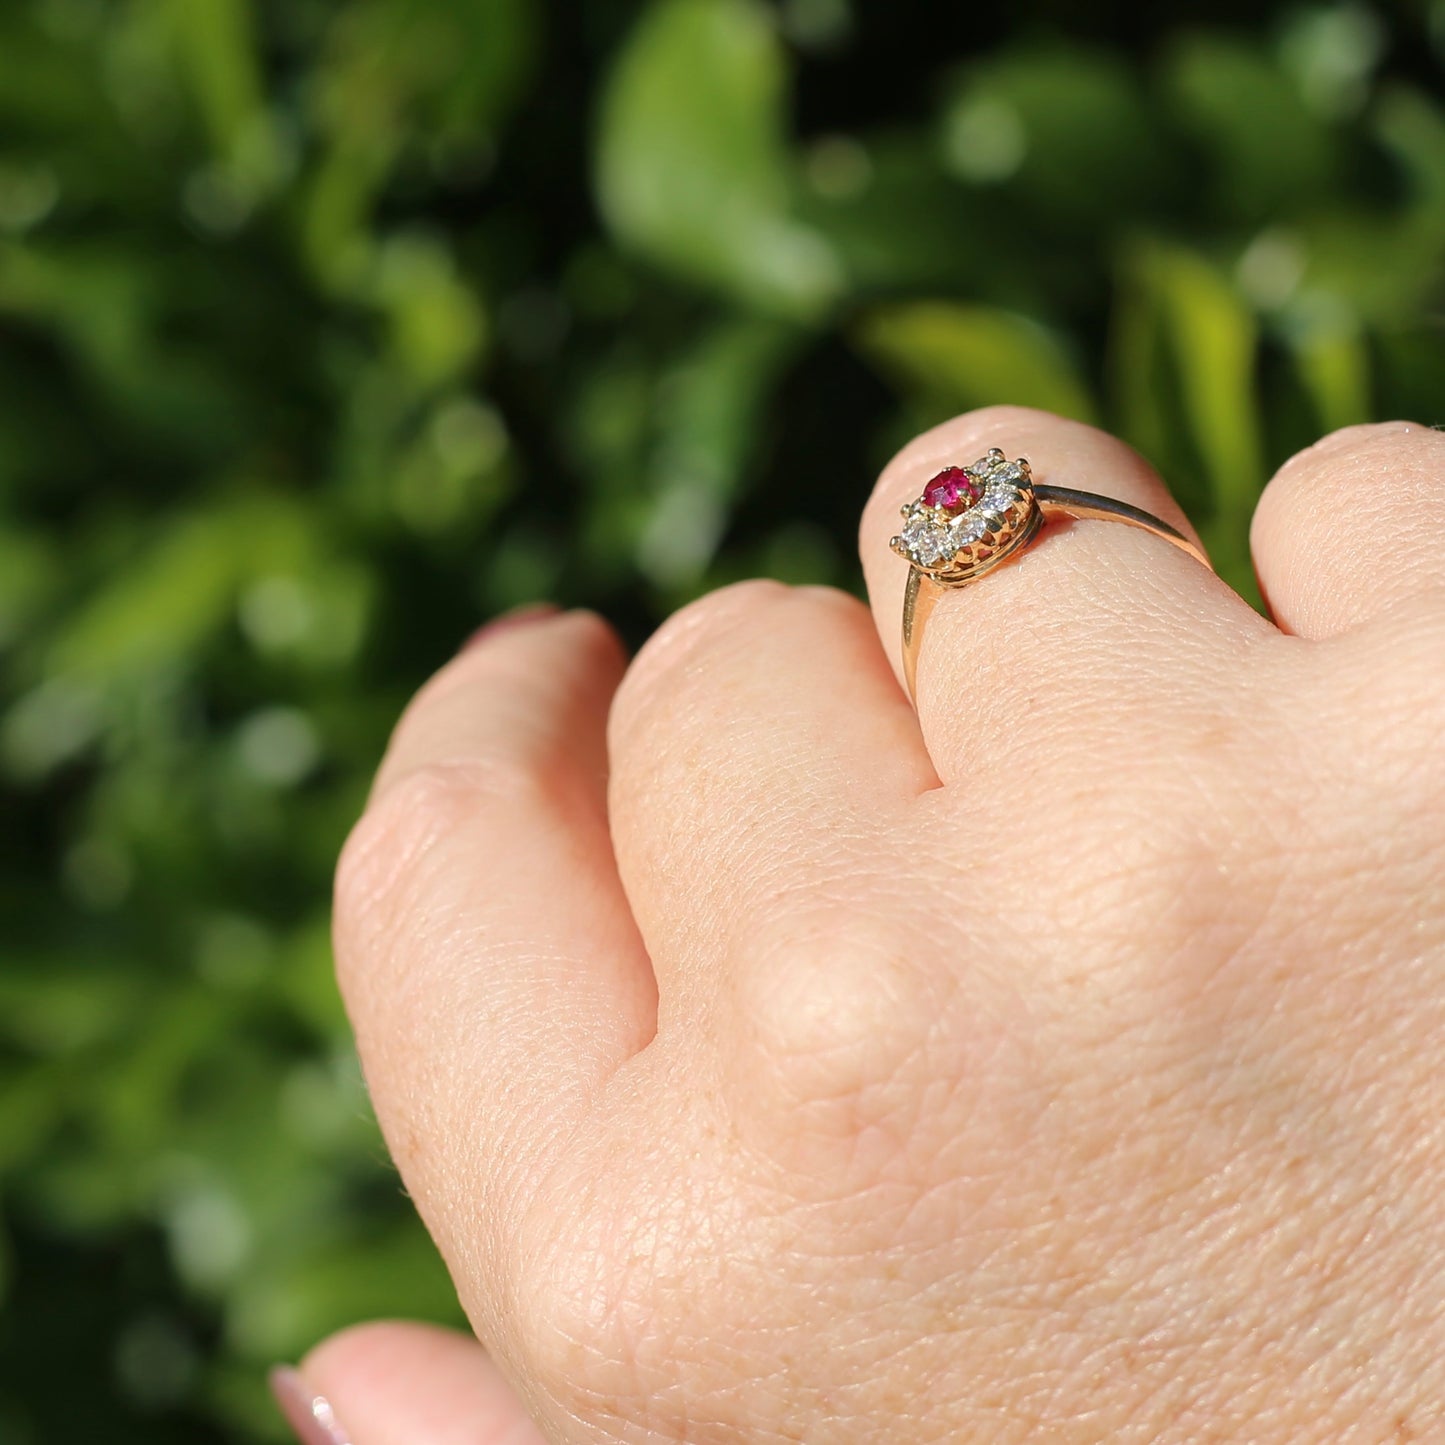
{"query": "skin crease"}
[(771, 1063)]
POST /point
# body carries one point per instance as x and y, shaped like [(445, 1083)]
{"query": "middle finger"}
[(760, 747)]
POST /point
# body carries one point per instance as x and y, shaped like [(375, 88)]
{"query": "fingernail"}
[(532, 612), (310, 1415)]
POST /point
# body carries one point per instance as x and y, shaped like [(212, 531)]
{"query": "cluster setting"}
[(967, 516)]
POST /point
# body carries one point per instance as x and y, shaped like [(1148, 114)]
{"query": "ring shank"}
[(922, 591), (1085, 506)]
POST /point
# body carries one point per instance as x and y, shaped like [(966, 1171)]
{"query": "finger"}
[(1352, 526), (1095, 623), (759, 746), (394, 1383), (492, 971)]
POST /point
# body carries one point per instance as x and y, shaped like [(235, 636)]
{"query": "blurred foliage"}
[(328, 329)]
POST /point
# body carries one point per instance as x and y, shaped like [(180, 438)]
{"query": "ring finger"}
[(1094, 625)]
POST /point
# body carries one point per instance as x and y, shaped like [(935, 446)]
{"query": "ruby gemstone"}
[(952, 487)]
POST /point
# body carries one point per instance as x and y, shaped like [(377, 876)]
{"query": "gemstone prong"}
[(966, 516)]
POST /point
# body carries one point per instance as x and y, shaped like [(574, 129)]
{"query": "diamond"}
[(928, 542), (1000, 497), (969, 527), (996, 468), (987, 503)]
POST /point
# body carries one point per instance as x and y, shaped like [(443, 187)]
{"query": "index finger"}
[(489, 962)]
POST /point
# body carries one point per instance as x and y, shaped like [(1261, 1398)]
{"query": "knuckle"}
[(1336, 460), (716, 612), (576, 1312), (1146, 887), (834, 1026), (832, 604), (612, 1296), (592, 650), (593, 641), (701, 626), (390, 849), (384, 848), (1367, 438)]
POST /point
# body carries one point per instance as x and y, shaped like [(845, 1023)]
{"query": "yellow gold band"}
[(925, 588)]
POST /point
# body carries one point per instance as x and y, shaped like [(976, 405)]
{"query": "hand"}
[(1062, 1062)]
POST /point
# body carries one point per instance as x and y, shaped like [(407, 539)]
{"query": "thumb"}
[(392, 1383)]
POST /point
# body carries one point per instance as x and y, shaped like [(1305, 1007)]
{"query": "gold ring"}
[(970, 519)]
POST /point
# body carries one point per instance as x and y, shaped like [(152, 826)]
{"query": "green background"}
[(328, 330)]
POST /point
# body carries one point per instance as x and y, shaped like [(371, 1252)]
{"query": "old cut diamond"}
[(928, 543), (986, 503), (969, 527)]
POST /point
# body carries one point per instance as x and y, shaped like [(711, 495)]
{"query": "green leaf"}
[(1266, 154), (693, 169), (30, 572), (218, 52), (708, 434), (1334, 365), (277, 1312), (1215, 337), (429, 75), (1052, 124), (1186, 346), (157, 613), (950, 358), (437, 324), (1411, 125)]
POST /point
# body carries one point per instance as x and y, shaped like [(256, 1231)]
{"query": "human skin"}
[(1062, 1061)]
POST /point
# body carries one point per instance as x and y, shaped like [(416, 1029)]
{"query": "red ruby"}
[(950, 488)]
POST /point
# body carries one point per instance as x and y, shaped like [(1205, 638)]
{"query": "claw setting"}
[(968, 517)]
